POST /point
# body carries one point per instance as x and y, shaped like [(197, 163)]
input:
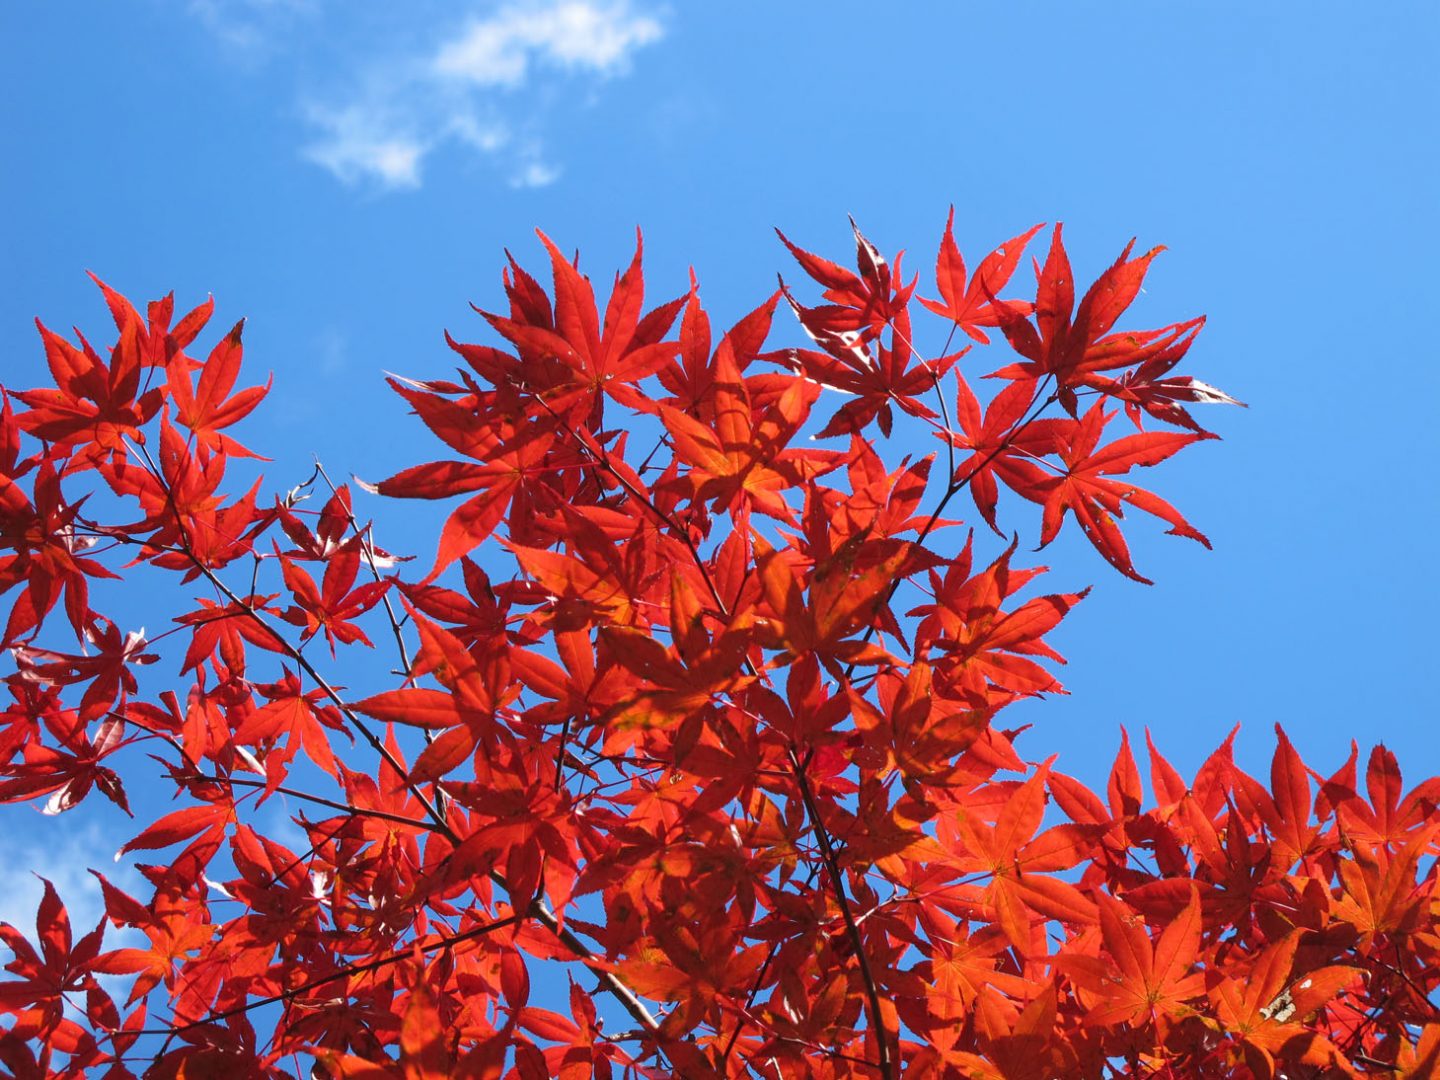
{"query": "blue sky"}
[(346, 176)]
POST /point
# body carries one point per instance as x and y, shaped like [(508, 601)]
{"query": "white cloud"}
[(484, 88), (363, 144), (62, 856), (535, 174), (576, 34), (486, 138), (249, 28)]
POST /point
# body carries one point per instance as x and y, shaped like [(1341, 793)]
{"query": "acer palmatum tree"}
[(690, 710)]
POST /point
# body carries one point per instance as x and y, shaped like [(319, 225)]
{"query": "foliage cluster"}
[(700, 701)]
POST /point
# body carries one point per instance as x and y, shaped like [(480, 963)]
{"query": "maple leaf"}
[(389, 793), (879, 501), (594, 582), (12, 465), (1390, 817), (1026, 1048), (107, 672), (223, 630), (93, 407), (62, 966), (69, 771), (1067, 343), (873, 379), (476, 686), (1149, 387), (1150, 981), (295, 713), (1084, 487), (973, 307), (842, 595), (918, 729), (1286, 814), (691, 379), (609, 358), (44, 537), (204, 408), (1016, 860), (1381, 894), (426, 1050), (336, 602), (519, 823), (332, 527), (888, 834), (860, 305), (985, 650), (962, 966), (572, 686), (672, 684), (692, 964), (174, 936), (1002, 446), (744, 461), (514, 465), (582, 1049), (193, 527), (158, 341), (477, 615), (206, 822), (1263, 1002)]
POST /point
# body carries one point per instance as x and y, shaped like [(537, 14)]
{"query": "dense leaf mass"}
[(695, 710)]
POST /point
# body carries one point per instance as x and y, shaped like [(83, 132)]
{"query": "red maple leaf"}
[(744, 461), (861, 305), (62, 966), (985, 651), (93, 407), (46, 540), (204, 409), (1085, 489), (608, 358), (1067, 343), (1020, 893), (297, 715), (1005, 445), (973, 307), (336, 602), (1146, 981)]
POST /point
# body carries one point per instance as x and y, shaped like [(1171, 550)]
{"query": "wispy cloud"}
[(535, 174), (359, 143), (250, 28), (62, 858), (481, 83), (575, 34)]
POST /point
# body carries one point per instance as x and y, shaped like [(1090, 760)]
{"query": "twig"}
[(343, 973), (852, 929)]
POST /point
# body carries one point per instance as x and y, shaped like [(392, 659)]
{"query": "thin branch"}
[(344, 973), (538, 909), (294, 654), (367, 548), (542, 914), (601, 458), (1033, 410), (852, 928), (344, 808)]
